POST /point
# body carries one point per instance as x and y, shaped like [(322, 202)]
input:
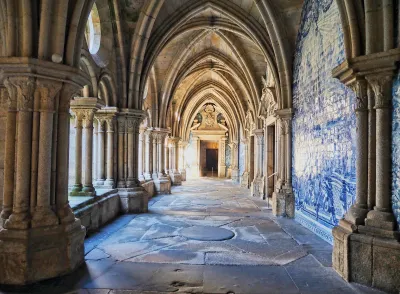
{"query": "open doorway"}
[(212, 162)]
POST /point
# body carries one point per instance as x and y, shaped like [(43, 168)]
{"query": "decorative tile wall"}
[(396, 147), (324, 122)]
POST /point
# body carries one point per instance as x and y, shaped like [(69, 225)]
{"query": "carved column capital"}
[(23, 89), (382, 87), (360, 88)]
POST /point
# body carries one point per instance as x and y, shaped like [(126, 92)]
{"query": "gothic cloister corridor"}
[(148, 253)]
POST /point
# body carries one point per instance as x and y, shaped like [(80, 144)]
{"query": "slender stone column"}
[(244, 180), (161, 154), (259, 136), (358, 211), (95, 150), (19, 219), (168, 157), (100, 147), (130, 182), (141, 155), (155, 155), (148, 154), (222, 152), (174, 171), (182, 160), (88, 122), (78, 151), (9, 154), (110, 152), (43, 214), (196, 147), (381, 220), (234, 161), (371, 149), (121, 157)]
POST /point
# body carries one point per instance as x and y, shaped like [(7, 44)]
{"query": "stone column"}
[(222, 152), (174, 171), (9, 154), (121, 157), (88, 124), (131, 125), (371, 149), (196, 166), (234, 161), (109, 183), (162, 182), (168, 157), (381, 221), (358, 211), (155, 155), (38, 221), (78, 151), (141, 155), (182, 159), (257, 186), (244, 180), (148, 154), (100, 152)]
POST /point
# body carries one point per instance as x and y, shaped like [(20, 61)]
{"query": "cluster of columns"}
[(234, 161), (36, 177)]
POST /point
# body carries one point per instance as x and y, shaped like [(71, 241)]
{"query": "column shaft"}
[(78, 153), (110, 152), (88, 187), (100, 146)]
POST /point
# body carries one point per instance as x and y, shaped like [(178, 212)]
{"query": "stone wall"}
[(324, 122)]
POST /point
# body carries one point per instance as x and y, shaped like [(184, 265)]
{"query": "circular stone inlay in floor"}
[(207, 233)]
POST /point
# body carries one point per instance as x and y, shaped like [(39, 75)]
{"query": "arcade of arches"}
[(108, 105)]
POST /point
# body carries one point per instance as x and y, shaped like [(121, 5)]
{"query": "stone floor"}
[(175, 248)]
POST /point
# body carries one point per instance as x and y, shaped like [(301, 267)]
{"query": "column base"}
[(235, 175), (257, 188), (148, 177), (131, 183), (380, 224), (109, 184), (29, 256), (176, 178), (88, 189), (183, 174), (134, 200), (121, 184), (44, 217), (372, 261), (222, 171), (163, 185), (82, 193), (356, 215), (77, 188), (244, 180), (283, 202)]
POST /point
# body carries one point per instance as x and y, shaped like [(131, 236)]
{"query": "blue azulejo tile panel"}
[(324, 122), (396, 147)]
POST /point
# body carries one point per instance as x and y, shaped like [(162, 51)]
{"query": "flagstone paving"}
[(206, 237)]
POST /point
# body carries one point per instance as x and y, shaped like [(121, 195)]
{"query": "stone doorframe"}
[(213, 135)]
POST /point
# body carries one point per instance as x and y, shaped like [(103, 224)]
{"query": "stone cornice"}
[(286, 113), (86, 103), (30, 67), (376, 64)]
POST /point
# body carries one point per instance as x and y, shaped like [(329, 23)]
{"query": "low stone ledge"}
[(133, 200), (149, 187), (99, 210)]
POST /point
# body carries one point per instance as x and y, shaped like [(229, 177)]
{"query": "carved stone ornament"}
[(359, 87), (382, 87), (249, 125), (268, 105)]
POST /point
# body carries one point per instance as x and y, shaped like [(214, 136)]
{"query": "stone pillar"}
[(148, 154), (84, 109), (155, 155), (234, 161), (162, 182), (196, 166), (355, 216), (141, 155), (40, 238), (101, 128), (168, 157), (110, 182), (182, 160), (131, 126), (244, 180), (121, 157), (257, 187), (381, 221), (283, 198), (78, 152), (176, 177), (222, 154)]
